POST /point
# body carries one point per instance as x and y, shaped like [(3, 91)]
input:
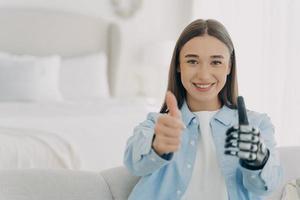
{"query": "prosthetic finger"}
[(246, 155), (248, 137), (232, 144), (232, 136), (243, 146), (249, 129), (232, 133), (242, 136), (250, 147), (232, 129)]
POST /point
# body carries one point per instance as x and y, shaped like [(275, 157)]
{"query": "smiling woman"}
[(182, 151)]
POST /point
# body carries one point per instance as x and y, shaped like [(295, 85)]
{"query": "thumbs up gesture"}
[(168, 128)]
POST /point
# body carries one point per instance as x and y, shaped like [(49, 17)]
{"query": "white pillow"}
[(84, 77), (29, 78)]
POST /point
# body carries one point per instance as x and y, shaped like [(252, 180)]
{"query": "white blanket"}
[(27, 148), (96, 130)]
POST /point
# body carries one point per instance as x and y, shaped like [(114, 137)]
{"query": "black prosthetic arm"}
[(244, 141)]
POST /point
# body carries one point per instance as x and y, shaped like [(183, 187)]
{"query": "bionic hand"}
[(244, 141)]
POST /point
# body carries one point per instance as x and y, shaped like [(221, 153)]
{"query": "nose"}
[(203, 72)]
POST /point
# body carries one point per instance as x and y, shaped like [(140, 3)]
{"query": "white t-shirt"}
[(207, 181)]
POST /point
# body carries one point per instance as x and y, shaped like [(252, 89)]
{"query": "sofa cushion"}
[(28, 184)]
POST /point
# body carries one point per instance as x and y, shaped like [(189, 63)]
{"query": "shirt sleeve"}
[(140, 158), (265, 180)]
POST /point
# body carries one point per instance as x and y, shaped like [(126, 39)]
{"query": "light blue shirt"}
[(167, 177)]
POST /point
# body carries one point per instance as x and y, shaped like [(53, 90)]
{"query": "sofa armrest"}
[(33, 184), (290, 162), (119, 181)]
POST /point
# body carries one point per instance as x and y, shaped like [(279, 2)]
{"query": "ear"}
[(229, 68)]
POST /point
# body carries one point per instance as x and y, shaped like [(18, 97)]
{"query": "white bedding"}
[(28, 148), (96, 130)]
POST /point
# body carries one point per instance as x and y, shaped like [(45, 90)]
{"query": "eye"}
[(193, 62), (216, 62)]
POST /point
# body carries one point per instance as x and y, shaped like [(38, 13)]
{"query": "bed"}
[(56, 110), (41, 32)]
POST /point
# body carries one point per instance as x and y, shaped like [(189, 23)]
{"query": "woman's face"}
[(204, 66)]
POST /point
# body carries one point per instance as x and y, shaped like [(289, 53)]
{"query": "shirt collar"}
[(225, 115)]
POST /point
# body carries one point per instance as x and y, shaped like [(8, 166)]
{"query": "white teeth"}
[(202, 86)]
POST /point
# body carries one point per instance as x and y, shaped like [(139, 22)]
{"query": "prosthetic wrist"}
[(244, 142)]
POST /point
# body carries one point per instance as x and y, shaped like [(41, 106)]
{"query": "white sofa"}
[(112, 184)]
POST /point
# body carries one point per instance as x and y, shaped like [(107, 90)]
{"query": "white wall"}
[(155, 21), (90, 7)]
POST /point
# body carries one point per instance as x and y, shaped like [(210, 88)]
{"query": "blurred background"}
[(265, 34)]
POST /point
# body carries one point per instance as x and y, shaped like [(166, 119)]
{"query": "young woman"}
[(181, 152)]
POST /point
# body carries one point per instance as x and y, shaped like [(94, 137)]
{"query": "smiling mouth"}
[(203, 87)]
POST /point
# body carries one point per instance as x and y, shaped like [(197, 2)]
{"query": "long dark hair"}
[(229, 92)]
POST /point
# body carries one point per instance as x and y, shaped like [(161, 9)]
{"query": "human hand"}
[(244, 142), (168, 128)]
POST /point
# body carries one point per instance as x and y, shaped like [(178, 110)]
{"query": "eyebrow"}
[(217, 56), (191, 55), (196, 56)]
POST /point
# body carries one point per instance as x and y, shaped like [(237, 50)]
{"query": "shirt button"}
[(189, 166), (178, 192), (153, 159), (192, 142)]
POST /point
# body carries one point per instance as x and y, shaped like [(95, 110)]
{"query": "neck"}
[(204, 106)]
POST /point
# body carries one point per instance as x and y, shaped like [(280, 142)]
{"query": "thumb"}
[(172, 105)]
